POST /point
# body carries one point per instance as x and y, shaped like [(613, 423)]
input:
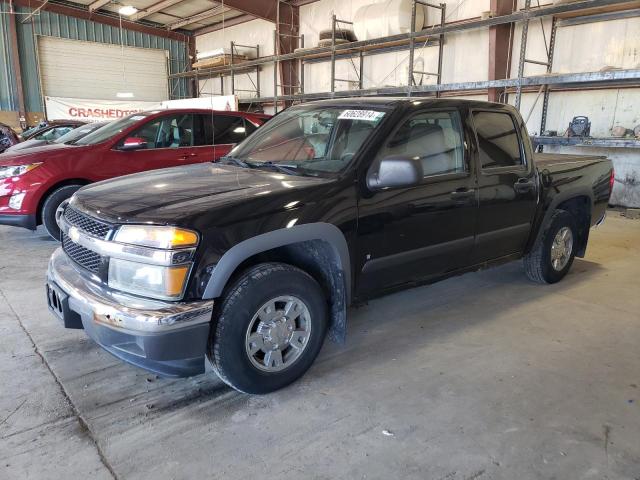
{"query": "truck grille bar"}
[(82, 256), (87, 224)]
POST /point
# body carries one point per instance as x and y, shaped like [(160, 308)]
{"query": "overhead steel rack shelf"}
[(617, 77), (605, 142), (563, 14)]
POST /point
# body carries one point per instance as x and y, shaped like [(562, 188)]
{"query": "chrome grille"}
[(82, 256), (86, 223)]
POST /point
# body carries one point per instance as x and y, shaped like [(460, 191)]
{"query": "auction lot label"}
[(367, 115)]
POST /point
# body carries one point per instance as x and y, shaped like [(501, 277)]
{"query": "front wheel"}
[(270, 327), (51, 204), (551, 259)]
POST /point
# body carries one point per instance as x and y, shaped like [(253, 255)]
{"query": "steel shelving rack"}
[(583, 11)]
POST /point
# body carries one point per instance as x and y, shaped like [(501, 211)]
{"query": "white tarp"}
[(59, 108), (215, 102)]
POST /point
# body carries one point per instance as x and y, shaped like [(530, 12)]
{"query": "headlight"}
[(166, 283), (166, 279), (17, 170), (156, 237)]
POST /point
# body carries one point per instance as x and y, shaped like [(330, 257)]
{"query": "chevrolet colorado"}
[(252, 261)]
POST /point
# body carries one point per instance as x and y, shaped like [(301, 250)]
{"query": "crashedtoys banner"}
[(59, 108)]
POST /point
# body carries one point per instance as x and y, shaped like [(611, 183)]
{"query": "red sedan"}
[(34, 182)]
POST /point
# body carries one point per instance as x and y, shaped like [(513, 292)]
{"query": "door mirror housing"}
[(133, 143), (395, 172)]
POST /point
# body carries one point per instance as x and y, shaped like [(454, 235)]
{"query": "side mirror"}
[(395, 172), (133, 143)]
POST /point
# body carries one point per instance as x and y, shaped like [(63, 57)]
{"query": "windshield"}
[(79, 133), (31, 131), (111, 129), (311, 139)]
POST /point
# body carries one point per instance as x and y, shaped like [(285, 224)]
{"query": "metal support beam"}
[(265, 9), (333, 52), (602, 17), (98, 4), (545, 101), (607, 78), (17, 68), (212, 12), (443, 22), (610, 142), (523, 53), (155, 8), (34, 12), (412, 42), (226, 24), (287, 40), (500, 43), (191, 56), (84, 14), (301, 68)]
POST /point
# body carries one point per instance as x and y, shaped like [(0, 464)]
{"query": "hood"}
[(171, 195), (35, 154), (26, 144)]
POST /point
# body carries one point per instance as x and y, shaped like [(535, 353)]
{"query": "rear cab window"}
[(499, 143)]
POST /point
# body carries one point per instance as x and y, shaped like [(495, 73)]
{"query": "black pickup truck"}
[(252, 262)]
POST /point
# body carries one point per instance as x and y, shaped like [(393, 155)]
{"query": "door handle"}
[(524, 185), (462, 193), (187, 156)]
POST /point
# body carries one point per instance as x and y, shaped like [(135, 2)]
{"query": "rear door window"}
[(220, 129), (498, 141), (228, 129)]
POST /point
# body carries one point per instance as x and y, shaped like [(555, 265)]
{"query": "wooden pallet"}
[(219, 61)]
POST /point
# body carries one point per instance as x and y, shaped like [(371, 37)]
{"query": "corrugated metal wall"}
[(56, 25), (7, 85)]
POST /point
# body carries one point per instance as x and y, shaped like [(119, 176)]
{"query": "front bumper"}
[(24, 221), (166, 338)]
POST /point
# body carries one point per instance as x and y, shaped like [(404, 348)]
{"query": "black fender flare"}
[(278, 238), (557, 199)]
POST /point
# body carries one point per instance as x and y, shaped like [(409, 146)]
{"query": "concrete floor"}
[(478, 377)]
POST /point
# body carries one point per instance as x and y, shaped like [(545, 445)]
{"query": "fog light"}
[(16, 199)]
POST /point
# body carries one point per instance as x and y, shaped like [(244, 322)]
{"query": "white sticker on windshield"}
[(367, 115)]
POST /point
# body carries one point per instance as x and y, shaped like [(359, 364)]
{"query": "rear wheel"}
[(51, 204), (552, 258), (270, 327)]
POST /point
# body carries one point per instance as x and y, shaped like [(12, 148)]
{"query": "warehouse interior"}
[(483, 375)]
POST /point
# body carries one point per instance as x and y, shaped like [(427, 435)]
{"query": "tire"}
[(51, 204), (540, 264), (231, 346)]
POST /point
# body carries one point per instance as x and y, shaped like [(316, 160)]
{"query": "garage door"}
[(75, 69)]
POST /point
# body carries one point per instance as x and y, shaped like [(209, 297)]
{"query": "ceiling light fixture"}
[(127, 10)]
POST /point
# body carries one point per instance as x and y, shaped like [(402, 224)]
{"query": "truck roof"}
[(399, 101)]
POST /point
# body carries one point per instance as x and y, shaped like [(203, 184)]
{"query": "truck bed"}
[(546, 160)]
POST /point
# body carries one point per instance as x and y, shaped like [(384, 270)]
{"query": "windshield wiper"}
[(288, 169), (228, 160)]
